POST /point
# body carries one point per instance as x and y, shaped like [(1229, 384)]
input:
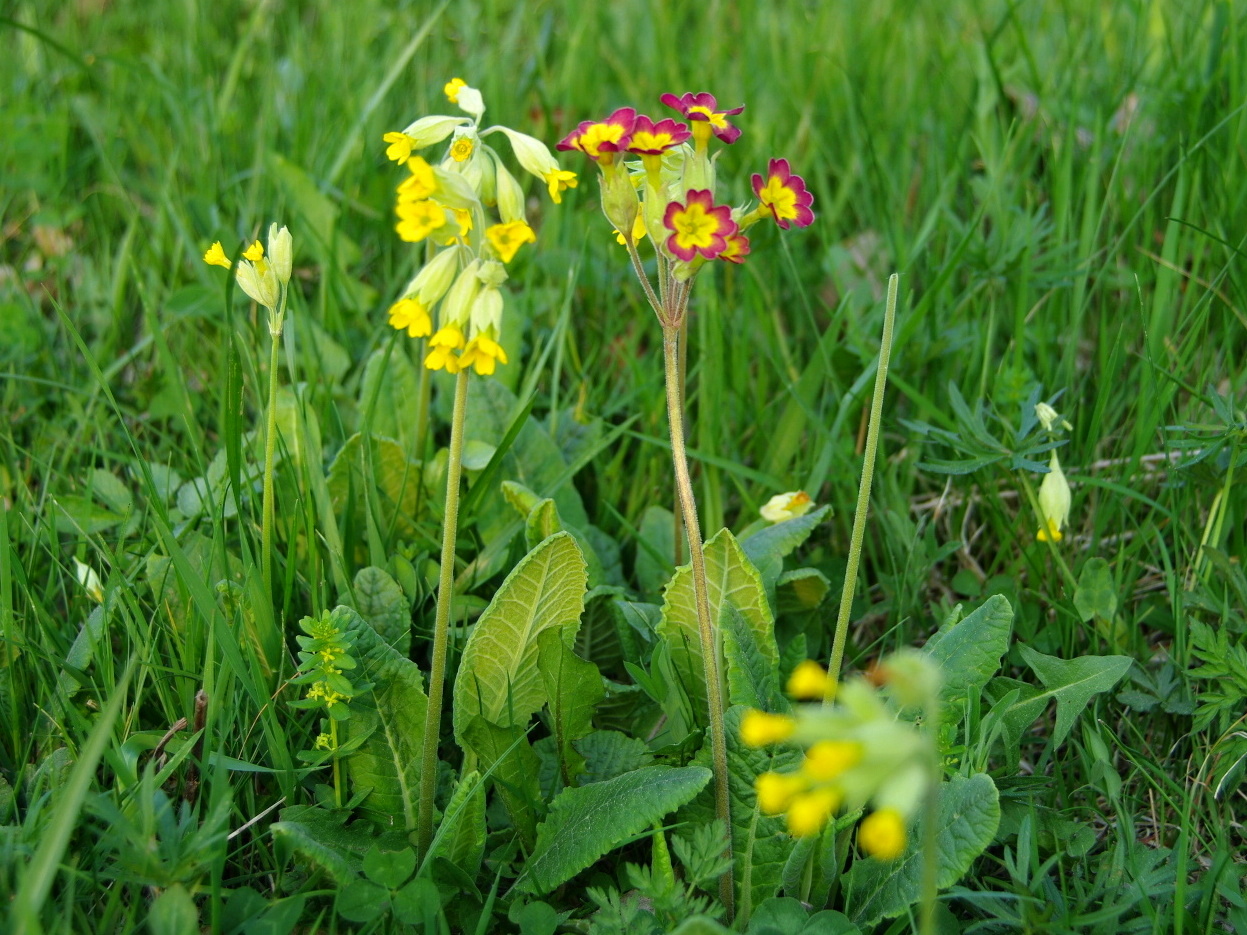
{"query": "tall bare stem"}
[(441, 624), (267, 512)]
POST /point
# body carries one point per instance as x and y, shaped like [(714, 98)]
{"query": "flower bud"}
[(432, 282), (532, 154), (470, 101), (261, 286), (280, 252), (784, 506), (619, 199), (429, 130), (457, 307), (487, 311), (510, 195), (1054, 501), (492, 273)]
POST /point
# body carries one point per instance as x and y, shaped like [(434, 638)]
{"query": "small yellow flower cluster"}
[(857, 751), (263, 278), (450, 205), (1054, 492), (325, 653)]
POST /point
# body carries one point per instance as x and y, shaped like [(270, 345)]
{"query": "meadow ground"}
[(1062, 190)]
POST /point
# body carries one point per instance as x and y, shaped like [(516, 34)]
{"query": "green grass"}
[(1059, 187)]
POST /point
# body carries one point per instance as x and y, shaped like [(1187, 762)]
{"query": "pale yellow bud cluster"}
[(1054, 492), (857, 750), (264, 277)]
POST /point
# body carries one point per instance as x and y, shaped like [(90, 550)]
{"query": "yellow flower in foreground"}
[(506, 239), (757, 728), (882, 834), (809, 682), (216, 256), (420, 184), (411, 315), (777, 790), (442, 347), (828, 759), (809, 812)]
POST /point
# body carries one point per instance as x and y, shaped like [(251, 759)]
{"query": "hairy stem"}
[(705, 629), (270, 447), (441, 624), (863, 489)]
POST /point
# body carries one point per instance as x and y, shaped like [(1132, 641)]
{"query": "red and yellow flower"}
[(785, 195), (603, 138), (698, 227), (736, 250), (703, 110)]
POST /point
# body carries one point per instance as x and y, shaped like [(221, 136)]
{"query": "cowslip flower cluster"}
[(263, 276), (857, 750), (470, 209), (668, 190), (324, 658), (1054, 491)]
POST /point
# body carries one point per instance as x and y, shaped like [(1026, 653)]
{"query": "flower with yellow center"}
[(461, 149), (506, 239), (442, 347), (421, 184), (558, 181), (410, 315), (216, 256), (882, 834), (482, 353), (400, 146)]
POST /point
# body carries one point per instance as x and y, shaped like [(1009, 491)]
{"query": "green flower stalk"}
[(469, 211), (668, 195), (266, 280)]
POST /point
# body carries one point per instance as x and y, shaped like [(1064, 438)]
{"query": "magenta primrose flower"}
[(698, 226), (736, 250), (785, 194), (702, 109), (593, 138), (653, 139)]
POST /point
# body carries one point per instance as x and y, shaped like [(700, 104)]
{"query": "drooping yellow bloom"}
[(484, 354), (638, 231), (506, 239), (809, 682), (421, 184), (400, 146), (758, 728), (216, 256), (882, 834), (442, 347), (558, 181), (419, 219), (452, 88), (828, 759), (254, 253), (411, 315), (784, 506)]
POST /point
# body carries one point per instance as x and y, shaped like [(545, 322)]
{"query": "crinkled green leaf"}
[(655, 549), (381, 602), (730, 578), (461, 835), (1072, 682), (610, 753), (752, 678), (499, 677), (969, 813), (513, 767), (321, 839), (783, 915), (767, 547), (586, 822), (573, 689), (801, 589), (391, 718), (969, 650)]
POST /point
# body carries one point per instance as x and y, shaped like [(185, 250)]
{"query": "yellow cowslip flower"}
[(419, 219), (882, 834), (809, 811), (483, 353), (757, 728), (1054, 502), (828, 759), (410, 315), (777, 790), (442, 347), (421, 184), (784, 506), (400, 146), (254, 253), (216, 256), (452, 88), (506, 239), (461, 149), (809, 682), (558, 181)]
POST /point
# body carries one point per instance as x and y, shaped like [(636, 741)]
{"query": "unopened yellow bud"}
[(216, 256), (784, 506), (509, 194), (281, 252), (1054, 501)]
